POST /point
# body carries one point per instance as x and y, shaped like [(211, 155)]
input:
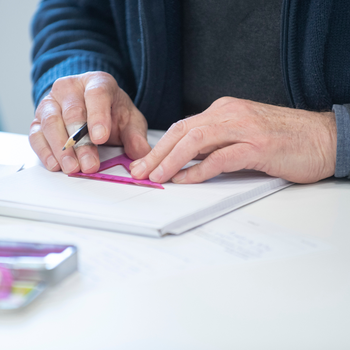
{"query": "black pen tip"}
[(64, 148)]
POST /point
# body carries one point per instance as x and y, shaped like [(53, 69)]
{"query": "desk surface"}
[(300, 302)]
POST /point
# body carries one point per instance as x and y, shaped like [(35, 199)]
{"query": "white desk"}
[(300, 302)]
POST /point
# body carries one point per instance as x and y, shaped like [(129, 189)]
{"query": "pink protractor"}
[(123, 160)]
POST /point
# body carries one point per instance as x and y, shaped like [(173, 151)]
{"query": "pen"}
[(76, 137)]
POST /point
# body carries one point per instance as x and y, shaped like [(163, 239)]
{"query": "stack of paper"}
[(42, 195)]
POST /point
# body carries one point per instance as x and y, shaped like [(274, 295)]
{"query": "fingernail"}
[(139, 169), (98, 131), (157, 174), (179, 177), (87, 162), (69, 164), (134, 164), (51, 162)]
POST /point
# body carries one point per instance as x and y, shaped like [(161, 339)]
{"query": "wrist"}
[(330, 146)]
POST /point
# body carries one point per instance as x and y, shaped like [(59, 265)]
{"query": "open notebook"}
[(38, 194)]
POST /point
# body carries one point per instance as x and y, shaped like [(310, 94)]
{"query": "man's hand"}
[(111, 115), (296, 145)]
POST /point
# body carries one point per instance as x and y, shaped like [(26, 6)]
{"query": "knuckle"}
[(154, 154), (50, 121), (98, 74), (217, 158), (35, 128), (123, 114), (74, 113), (196, 135), (135, 141), (100, 83), (225, 100), (34, 134), (123, 102), (106, 77), (197, 173), (43, 107), (97, 89), (222, 101), (154, 157), (179, 128), (42, 151), (64, 83), (46, 112), (38, 143), (56, 85), (230, 104)]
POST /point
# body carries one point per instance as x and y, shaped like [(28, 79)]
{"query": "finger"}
[(232, 158), (100, 93), (70, 95), (88, 158), (222, 110), (134, 136), (55, 133), (42, 148), (177, 131), (85, 150), (197, 139)]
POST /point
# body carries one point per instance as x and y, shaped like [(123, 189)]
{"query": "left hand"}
[(111, 115), (297, 145)]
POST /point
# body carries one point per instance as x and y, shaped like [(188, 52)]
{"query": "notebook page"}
[(120, 203)]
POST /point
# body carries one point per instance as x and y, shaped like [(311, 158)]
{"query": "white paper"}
[(6, 170), (39, 194), (236, 238)]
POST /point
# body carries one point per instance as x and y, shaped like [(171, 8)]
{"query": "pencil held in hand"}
[(76, 137)]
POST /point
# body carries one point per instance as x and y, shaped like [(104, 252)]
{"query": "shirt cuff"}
[(342, 117)]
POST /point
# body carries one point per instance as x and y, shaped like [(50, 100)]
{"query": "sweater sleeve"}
[(76, 36), (342, 116)]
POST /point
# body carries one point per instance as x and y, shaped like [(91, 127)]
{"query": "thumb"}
[(134, 137)]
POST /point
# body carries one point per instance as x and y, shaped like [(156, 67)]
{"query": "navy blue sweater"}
[(139, 41)]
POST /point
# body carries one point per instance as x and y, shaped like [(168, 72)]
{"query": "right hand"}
[(111, 116)]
